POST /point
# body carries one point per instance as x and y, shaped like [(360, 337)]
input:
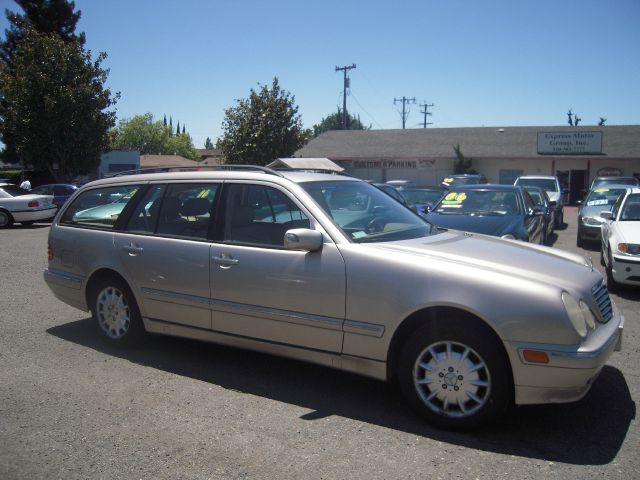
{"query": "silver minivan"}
[(328, 269)]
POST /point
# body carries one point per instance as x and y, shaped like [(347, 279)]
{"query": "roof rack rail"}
[(179, 168), (313, 170)]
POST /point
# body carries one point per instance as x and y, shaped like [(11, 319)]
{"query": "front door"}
[(262, 291)]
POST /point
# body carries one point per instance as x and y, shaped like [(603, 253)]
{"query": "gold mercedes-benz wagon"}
[(328, 269)]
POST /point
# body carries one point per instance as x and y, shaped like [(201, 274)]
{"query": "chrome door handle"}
[(225, 260), (132, 249)]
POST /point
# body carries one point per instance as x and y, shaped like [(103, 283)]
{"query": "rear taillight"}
[(49, 252), (33, 203)]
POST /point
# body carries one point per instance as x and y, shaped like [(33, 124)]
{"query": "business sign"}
[(569, 143)]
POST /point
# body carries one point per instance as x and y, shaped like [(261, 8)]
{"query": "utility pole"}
[(345, 69), (404, 101), (426, 112)]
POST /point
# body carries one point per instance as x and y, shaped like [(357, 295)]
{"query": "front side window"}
[(99, 207), (365, 213), (631, 208), (260, 215)]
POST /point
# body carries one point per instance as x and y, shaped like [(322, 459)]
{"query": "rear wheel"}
[(6, 220), (456, 375), (116, 313)]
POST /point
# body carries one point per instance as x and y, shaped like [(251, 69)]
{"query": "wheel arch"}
[(101, 274), (431, 316)]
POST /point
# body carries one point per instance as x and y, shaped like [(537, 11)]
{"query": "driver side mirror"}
[(303, 239), (606, 215)]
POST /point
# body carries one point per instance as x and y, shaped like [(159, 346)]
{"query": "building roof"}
[(308, 163), (488, 142), (165, 161)]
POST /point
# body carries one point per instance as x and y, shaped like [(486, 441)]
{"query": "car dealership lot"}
[(73, 407)]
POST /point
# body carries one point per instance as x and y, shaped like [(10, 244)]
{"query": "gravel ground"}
[(71, 407)]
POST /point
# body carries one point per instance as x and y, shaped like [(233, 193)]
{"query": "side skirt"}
[(362, 366)]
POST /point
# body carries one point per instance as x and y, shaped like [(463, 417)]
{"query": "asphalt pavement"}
[(71, 407)]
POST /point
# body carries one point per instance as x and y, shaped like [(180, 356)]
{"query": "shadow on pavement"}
[(588, 432)]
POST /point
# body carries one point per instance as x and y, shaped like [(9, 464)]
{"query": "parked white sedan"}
[(18, 205), (620, 252)]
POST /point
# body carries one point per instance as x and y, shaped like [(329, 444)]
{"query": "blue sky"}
[(481, 62)]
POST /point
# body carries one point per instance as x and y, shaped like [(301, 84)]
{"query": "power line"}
[(365, 110), (345, 69), (405, 112)]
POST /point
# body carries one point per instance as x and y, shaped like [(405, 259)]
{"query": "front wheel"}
[(116, 313), (456, 375), (612, 285)]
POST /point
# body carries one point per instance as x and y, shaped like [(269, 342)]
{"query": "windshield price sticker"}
[(454, 199), (598, 202), (600, 190)]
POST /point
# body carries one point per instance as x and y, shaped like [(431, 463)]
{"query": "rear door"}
[(262, 291), (166, 252)]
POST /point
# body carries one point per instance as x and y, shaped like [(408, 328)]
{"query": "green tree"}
[(53, 105), (151, 137), (181, 145), (45, 16), (263, 127), (462, 164), (208, 144), (141, 133), (334, 122)]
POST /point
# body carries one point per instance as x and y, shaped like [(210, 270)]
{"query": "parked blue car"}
[(61, 192), (505, 211)]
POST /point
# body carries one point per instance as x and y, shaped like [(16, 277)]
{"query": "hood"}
[(594, 210), (630, 231), (554, 196), (512, 257), (496, 225)]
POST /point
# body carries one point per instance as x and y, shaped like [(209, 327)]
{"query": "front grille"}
[(601, 296)]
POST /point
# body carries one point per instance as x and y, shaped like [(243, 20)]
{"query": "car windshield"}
[(549, 184), (603, 196), (365, 213), (453, 181), (631, 209), (14, 191), (479, 202), (615, 181), (429, 197)]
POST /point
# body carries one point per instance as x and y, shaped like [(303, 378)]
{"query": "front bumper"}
[(571, 369), (589, 232), (626, 269)]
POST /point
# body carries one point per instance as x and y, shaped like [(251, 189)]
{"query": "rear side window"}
[(99, 207), (185, 210)]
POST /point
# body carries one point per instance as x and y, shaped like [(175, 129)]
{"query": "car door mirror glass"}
[(303, 239)]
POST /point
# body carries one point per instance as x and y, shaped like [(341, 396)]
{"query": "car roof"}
[(545, 177), (279, 176), (490, 186), (612, 185)]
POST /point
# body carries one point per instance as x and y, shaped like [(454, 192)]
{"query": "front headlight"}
[(629, 248), (593, 221), (576, 313)]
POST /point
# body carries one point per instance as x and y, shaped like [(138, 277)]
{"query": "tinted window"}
[(14, 191), (99, 207), (631, 208), (184, 211), (145, 216), (549, 184), (480, 202), (43, 190), (260, 215)]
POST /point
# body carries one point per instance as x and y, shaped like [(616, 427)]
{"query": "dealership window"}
[(508, 177)]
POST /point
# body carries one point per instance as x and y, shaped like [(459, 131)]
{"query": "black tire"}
[(115, 312), (6, 219), (560, 221), (602, 256), (579, 240), (470, 368)]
